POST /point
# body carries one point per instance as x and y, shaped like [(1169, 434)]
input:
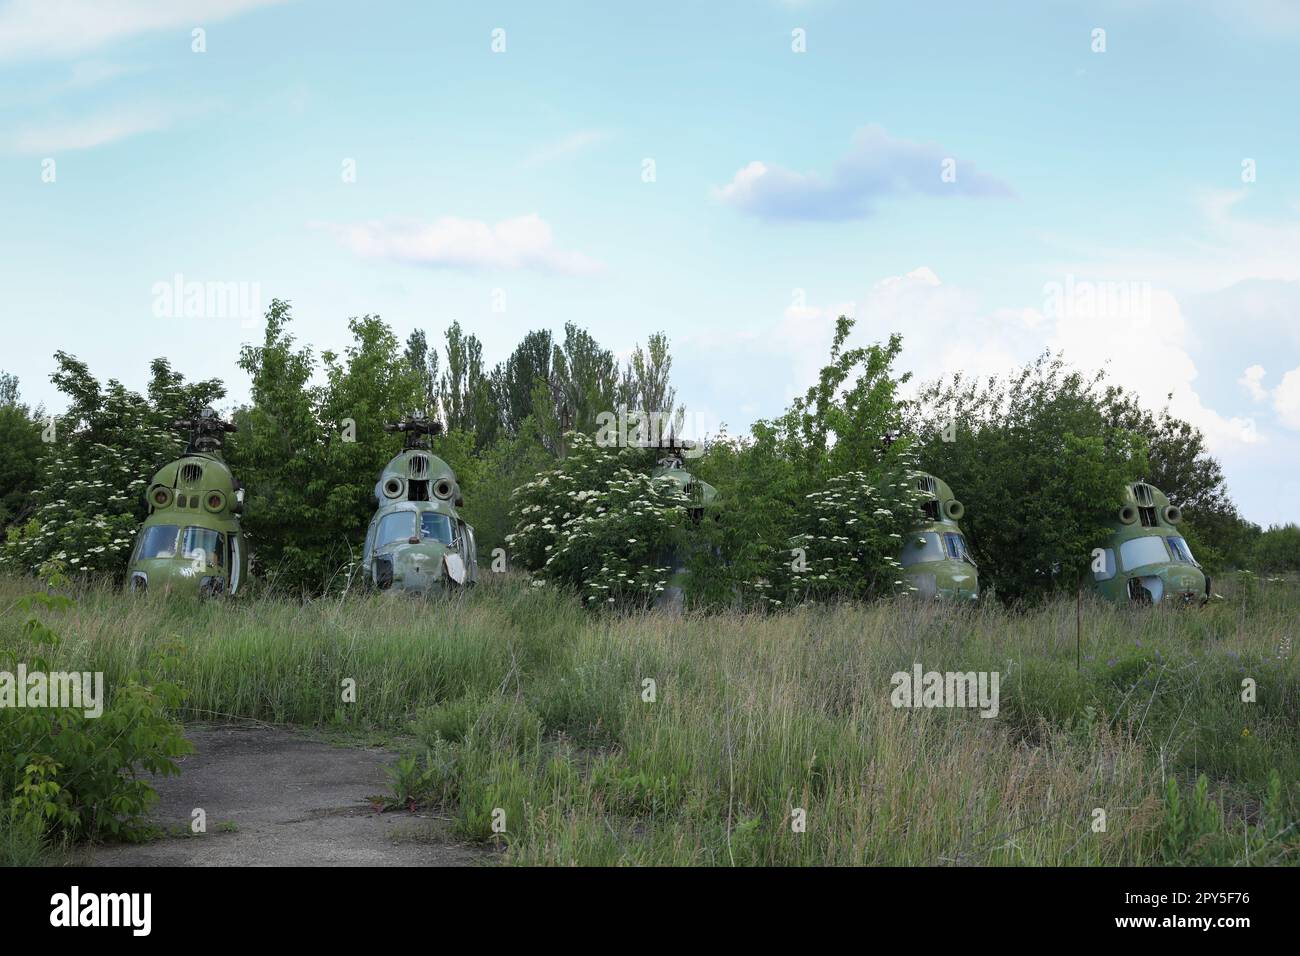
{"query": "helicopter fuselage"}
[(936, 560), (417, 541), (1146, 560), (191, 541)]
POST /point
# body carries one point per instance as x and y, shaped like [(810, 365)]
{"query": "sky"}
[(1119, 181)]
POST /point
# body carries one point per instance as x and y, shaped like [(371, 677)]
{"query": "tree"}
[(424, 361), (645, 386), (21, 451), (1278, 548), (814, 503), (466, 392), (309, 454), (528, 365), (490, 478), (584, 383), (1038, 462)]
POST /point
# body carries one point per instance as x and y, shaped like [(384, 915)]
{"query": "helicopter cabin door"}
[(233, 563)]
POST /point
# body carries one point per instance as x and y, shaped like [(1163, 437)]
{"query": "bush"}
[(599, 524), (815, 503), (70, 776), (1278, 548), (847, 540)]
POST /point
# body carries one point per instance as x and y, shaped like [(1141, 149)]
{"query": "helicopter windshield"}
[(397, 526), (1137, 552), (436, 526), (1178, 545), (957, 547), (204, 543), (158, 542), (922, 547)]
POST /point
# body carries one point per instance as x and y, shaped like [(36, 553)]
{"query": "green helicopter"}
[(936, 559), (1146, 560), (417, 541), (191, 541)]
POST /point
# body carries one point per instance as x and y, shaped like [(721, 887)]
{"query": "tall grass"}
[(522, 704)]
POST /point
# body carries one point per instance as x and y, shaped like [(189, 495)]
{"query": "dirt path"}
[(273, 797)]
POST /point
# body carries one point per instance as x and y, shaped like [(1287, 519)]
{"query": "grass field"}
[(513, 700)]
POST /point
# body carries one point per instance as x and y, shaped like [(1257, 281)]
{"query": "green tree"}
[(517, 379), (309, 455), (1278, 548), (646, 385), (490, 479), (467, 393), (21, 452), (584, 383), (424, 361), (809, 504), (1040, 465)]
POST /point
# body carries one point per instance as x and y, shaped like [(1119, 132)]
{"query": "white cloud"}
[(1251, 380), (55, 28), (89, 131), (524, 242), (1259, 16), (922, 275), (878, 166), (1143, 345), (1229, 247), (1145, 350), (564, 148), (1286, 399)]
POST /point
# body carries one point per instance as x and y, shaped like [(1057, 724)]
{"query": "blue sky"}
[(509, 190)]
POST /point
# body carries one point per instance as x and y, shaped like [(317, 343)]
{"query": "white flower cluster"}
[(598, 525)]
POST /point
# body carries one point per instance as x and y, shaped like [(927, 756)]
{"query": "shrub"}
[(71, 776), (599, 524)]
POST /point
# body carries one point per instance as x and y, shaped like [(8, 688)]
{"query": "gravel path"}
[(277, 798)]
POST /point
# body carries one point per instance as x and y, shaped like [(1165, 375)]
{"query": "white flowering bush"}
[(89, 499), (600, 524), (848, 540)]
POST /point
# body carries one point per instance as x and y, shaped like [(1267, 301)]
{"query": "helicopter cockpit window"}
[(435, 526), (1137, 552), (1181, 552), (922, 547), (205, 543), (956, 546), (158, 541), (397, 526), (1108, 572)]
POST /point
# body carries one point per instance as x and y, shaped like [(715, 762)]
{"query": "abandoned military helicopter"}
[(935, 558), (191, 540), (699, 493), (417, 542), (1146, 560)]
